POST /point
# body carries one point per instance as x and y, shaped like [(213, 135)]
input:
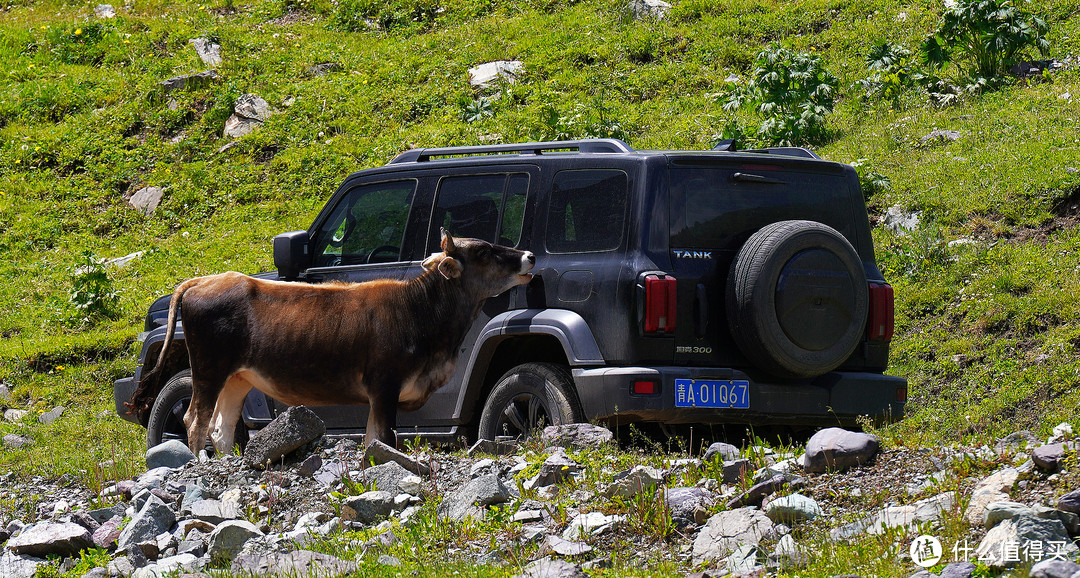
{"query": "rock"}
[(996, 548), (993, 488), (5, 392), (899, 222), (287, 433), (387, 477), (480, 467), (555, 469), (564, 547), (146, 199), (1061, 432), (121, 262), (152, 519), (528, 516), (388, 560), (1053, 569), (1070, 502), (209, 52), (591, 524), (726, 531), (576, 436), (14, 415), (735, 470), (104, 11), (169, 454), (229, 537), (296, 563), (548, 568), (213, 511), (940, 136), (85, 520), (15, 441), (324, 68), (756, 494), (640, 9), (833, 449), (484, 75), (470, 499), (51, 415), (411, 485), (788, 554), (1049, 456), (309, 466), (51, 539), (499, 447), (742, 560), (108, 532), (792, 509), (191, 81), (637, 480), (689, 503), (370, 507), (172, 565), (726, 452), (1016, 441), (997, 512), (249, 112), (382, 453), (958, 570), (1070, 520), (15, 566)]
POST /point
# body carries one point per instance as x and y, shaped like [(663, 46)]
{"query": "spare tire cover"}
[(797, 299)]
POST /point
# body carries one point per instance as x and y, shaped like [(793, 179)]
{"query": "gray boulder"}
[(169, 454), (549, 568), (287, 433), (833, 449), (726, 531), (498, 447), (724, 451), (591, 524), (228, 539), (563, 547), (792, 509), (1049, 456), (637, 480), (213, 511), (471, 499), (555, 469), (735, 470), (51, 415), (387, 477), (381, 453), (152, 519), (178, 564), (788, 554), (14, 566), (1070, 502), (48, 538), (1054, 569), (577, 436), (369, 507), (757, 493), (997, 512), (191, 81), (209, 52), (648, 9), (249, 112), (1016, 441), (994, 548), (146, 199), (958, 570), (690, 503), (15, 441), (992, 488), (295, 563), (484, 75)]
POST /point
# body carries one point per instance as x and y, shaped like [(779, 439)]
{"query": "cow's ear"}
[(450, 268), (447, 242), (430, 263)]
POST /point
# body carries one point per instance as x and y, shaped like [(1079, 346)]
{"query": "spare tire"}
[(797, 299)]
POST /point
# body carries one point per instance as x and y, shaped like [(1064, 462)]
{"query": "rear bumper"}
[(122, 390), (836, 398)]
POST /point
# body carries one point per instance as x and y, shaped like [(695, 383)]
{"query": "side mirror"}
[(291, 254)]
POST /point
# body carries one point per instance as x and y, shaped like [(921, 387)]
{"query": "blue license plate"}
[(733, 393)]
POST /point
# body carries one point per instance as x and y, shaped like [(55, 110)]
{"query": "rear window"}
[(719, 207), (587, 212)]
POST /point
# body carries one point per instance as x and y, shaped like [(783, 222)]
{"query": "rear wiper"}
[(752, 178)]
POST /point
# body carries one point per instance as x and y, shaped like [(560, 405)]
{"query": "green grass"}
[(84, 123)]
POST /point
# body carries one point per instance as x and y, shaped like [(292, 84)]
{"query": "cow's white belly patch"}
[(418, 387)]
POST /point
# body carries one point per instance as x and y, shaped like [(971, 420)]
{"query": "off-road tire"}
[(528, 396), (797, 299), (167, 414)]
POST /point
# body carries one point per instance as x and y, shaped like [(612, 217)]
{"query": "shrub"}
[(793, 91), (92, 292), (892, 70)]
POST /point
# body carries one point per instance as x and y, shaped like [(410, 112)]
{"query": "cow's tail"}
[(145, 394)]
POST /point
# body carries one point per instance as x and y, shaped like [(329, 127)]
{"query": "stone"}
[(291, 430), (637, 480), (1049, 456), (640, 9), (734, 471), (900, 222), (1053, 569), (792, 509), (152, 519), (1016, 441), (169, 454), (724, 451), (209, 52), (51, 415), (121, 262), (104, 11), (742, 560), (229, 537), (940, 136), (191, 81), (387, 477), (51, 539), (5, 392), (958, 570), (788, 554), (834, 449), (15, 441), (484, 75), (324, 68), (309, 466), (146, 199), (213, 511), (997, 512), (480, 467), (528, 516), (994, 548), (564, 547), (689, 503), (576, 436), (1070, 520), (470, 499), (15, 415), (169, 566), (757, 493), (1062, 431), (549, 568), (498, 447), (591, 524), (85, 520), (993, 488), (388, 560), (15, 566), (726, 531), (555, 469), (295, 563), (411, 485), (1070, 502), (381, 453), (370, 507)]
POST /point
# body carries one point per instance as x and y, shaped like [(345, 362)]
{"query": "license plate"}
[(712, 393)]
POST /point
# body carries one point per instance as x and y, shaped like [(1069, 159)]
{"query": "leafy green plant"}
[(892, 70), (985, 38), (793, 91), (355, 15), (92, 291), (870, 181)]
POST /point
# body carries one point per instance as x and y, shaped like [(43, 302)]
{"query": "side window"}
[(367, 226), (488, 207), (587, 212)]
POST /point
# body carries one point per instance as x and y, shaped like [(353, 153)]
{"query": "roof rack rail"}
[(598, 145)]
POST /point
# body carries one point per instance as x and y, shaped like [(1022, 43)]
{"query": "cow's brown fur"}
[(386, 343)]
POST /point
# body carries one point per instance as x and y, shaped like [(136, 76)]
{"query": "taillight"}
[(879, 323), (659, 304)]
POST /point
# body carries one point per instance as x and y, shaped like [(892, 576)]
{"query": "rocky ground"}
[(560, 506)]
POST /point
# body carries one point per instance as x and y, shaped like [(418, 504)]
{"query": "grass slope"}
[(987, 327)]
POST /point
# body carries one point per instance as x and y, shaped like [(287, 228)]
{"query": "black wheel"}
[(797, 299), (167, 416), (528, 398)]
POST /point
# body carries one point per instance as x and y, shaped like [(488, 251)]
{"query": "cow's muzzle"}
[(528, 260)]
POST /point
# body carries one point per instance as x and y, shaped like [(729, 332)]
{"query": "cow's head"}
[(488, 269)]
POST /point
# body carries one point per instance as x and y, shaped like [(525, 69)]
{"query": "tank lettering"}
[(684, 254)]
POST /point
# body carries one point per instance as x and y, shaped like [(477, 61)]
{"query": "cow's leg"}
[(382, 415), (227, 412), (204, 394)]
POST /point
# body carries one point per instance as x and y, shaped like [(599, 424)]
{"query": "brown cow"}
[(386, 343)]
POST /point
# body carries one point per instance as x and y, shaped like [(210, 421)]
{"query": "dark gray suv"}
[(717, 287)]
